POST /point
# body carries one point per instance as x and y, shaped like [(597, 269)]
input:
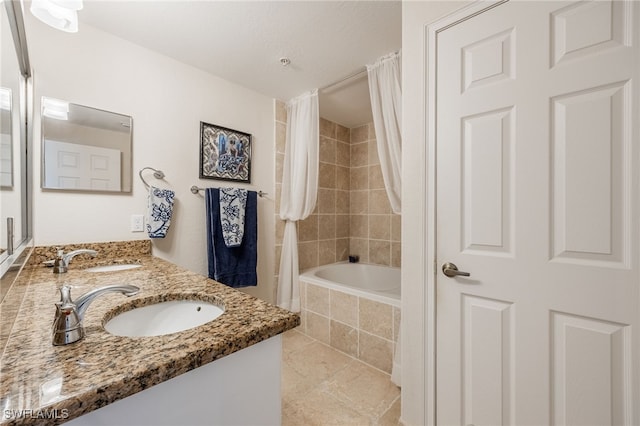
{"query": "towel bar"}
[(196, 189)]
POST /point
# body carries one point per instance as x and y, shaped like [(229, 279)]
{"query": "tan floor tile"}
[(392, 416), (319, 408), (294, 340), (317, 361), (366, 389)]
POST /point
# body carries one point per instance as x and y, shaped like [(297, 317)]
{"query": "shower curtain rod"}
[(343, 79)]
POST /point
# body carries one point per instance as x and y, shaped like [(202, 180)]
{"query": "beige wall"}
[(352, 213)]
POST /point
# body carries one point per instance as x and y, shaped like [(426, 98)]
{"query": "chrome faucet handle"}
[(67, 324), (61, 264)]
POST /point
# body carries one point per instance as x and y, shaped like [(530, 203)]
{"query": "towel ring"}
[(158, 174)]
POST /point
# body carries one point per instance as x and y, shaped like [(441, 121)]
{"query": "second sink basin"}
[(163, 318)]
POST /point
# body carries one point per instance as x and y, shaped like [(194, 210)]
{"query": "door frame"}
[(429, 267)]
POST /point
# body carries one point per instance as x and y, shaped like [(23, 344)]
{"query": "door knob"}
[(451, 270)]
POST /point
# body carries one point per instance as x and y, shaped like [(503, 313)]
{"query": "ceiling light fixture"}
[(285, 61), (59, 14)]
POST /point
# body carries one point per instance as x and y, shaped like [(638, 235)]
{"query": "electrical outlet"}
[(137, 223)]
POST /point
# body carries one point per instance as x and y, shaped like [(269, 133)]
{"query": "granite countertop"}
[(40, 381)]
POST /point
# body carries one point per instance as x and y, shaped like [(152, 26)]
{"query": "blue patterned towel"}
[(160, 210), (232, 207)]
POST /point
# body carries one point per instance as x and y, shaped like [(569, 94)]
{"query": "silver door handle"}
[(451, 270)]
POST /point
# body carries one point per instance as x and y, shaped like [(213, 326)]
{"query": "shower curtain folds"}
[(386, 105), (299, 189)]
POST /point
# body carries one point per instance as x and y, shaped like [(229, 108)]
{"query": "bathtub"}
[(354, 308), (379, 283)]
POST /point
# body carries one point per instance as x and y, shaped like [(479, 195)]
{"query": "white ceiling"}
[(243, 41)]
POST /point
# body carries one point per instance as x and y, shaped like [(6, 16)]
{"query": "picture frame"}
[(225, 154)]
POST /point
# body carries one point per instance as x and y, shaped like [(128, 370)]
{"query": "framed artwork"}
[(225, 154)]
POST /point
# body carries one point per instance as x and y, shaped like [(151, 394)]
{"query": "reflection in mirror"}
[(6, 146), (85, 148), (15, 102)]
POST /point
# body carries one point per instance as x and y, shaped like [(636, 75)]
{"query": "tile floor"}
[(323, 386)]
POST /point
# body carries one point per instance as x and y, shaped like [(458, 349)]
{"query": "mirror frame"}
[(15, 261)]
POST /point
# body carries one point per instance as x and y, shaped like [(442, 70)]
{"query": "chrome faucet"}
[(62, 261), (67, 324)]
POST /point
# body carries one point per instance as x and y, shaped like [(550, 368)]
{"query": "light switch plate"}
[(137, 223)]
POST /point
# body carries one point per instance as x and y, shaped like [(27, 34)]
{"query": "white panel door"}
[(82, 167), (537, 158)]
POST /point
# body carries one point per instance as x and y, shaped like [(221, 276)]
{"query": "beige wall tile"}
[(327, 150), (318, 299), (359, 202), (344, 338), (281, 137), (343, 202), (359, 226), (327, 176), (343, 178), (375, 318), (344, 307), (342, 154), (342, 226), (376, 181), (279, 229), (360, 247), (359, 134), (307, 255), (342, 249), (396, 227), (359, 154), (342, 133), (277, 259), (326, 226), (375, 351), (380, 252), (318, 327), (279, 167), (281, 111), (326, 201), (327, 252), (303, 294), (359, 178), (373, 152), (396, 255), (308, 228), (371, 131), (378, 202), (380, 227), (327, 128)]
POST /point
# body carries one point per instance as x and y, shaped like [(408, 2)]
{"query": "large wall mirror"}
[(15, 104), (84, 148)]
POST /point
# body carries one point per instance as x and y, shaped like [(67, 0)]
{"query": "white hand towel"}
[(160, 211), (233, 202)]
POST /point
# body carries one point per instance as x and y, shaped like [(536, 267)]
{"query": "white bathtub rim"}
[(308, 276)]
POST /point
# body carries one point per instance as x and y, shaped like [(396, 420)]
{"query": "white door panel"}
[(537, 142)]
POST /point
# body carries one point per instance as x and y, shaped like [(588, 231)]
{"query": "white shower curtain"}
[(386, 104), (299, 189)]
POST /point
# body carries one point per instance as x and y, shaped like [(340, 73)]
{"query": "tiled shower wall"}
[(352, 213)]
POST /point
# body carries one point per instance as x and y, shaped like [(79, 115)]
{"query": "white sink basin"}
[(163, 318), (113, 268)]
